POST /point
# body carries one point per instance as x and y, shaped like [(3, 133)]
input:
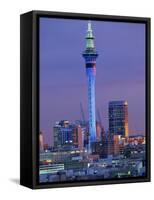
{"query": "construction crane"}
[(82, 112)]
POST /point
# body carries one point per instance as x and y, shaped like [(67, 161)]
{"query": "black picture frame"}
[(29, 97)]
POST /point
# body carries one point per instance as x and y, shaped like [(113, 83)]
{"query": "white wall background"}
[(9, 98)]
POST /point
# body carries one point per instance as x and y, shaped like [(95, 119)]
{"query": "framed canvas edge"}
[(35, 88)]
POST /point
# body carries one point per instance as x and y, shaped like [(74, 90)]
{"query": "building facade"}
[(68, 135), (63, 134), (118, 118), (78, 137)]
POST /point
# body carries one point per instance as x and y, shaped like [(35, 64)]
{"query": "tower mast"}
[(90, 55)]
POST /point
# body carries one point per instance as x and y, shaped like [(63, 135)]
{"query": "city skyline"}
[(62, 73)]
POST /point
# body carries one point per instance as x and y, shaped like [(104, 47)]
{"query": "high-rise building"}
[(118, 118), (78, 137), (63, 134), (67, 134), (90, 54)]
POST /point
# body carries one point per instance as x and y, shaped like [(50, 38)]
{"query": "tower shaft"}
[(90, 56), (91, 103)]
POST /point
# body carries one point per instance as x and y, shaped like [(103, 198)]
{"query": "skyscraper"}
[(118, 118), (90, 55)]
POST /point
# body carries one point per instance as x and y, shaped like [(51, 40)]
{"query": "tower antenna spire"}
[(89, 37), (89, 26)]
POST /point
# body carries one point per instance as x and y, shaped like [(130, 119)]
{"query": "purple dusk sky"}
[(120, 71)]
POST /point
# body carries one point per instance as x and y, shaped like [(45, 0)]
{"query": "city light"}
[(83, 149)]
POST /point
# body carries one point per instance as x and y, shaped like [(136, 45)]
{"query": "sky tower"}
[(90, 55)]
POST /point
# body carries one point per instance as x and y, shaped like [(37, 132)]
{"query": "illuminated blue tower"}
[(90, 55)]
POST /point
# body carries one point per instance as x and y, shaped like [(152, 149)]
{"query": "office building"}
[(118, 118)]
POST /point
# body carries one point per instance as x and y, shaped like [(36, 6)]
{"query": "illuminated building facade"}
[(67, 134), (118, 118), (118, 144), (90, 56), (63, 134), (78, 137)]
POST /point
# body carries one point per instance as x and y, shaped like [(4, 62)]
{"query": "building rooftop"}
[(122, 102)]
